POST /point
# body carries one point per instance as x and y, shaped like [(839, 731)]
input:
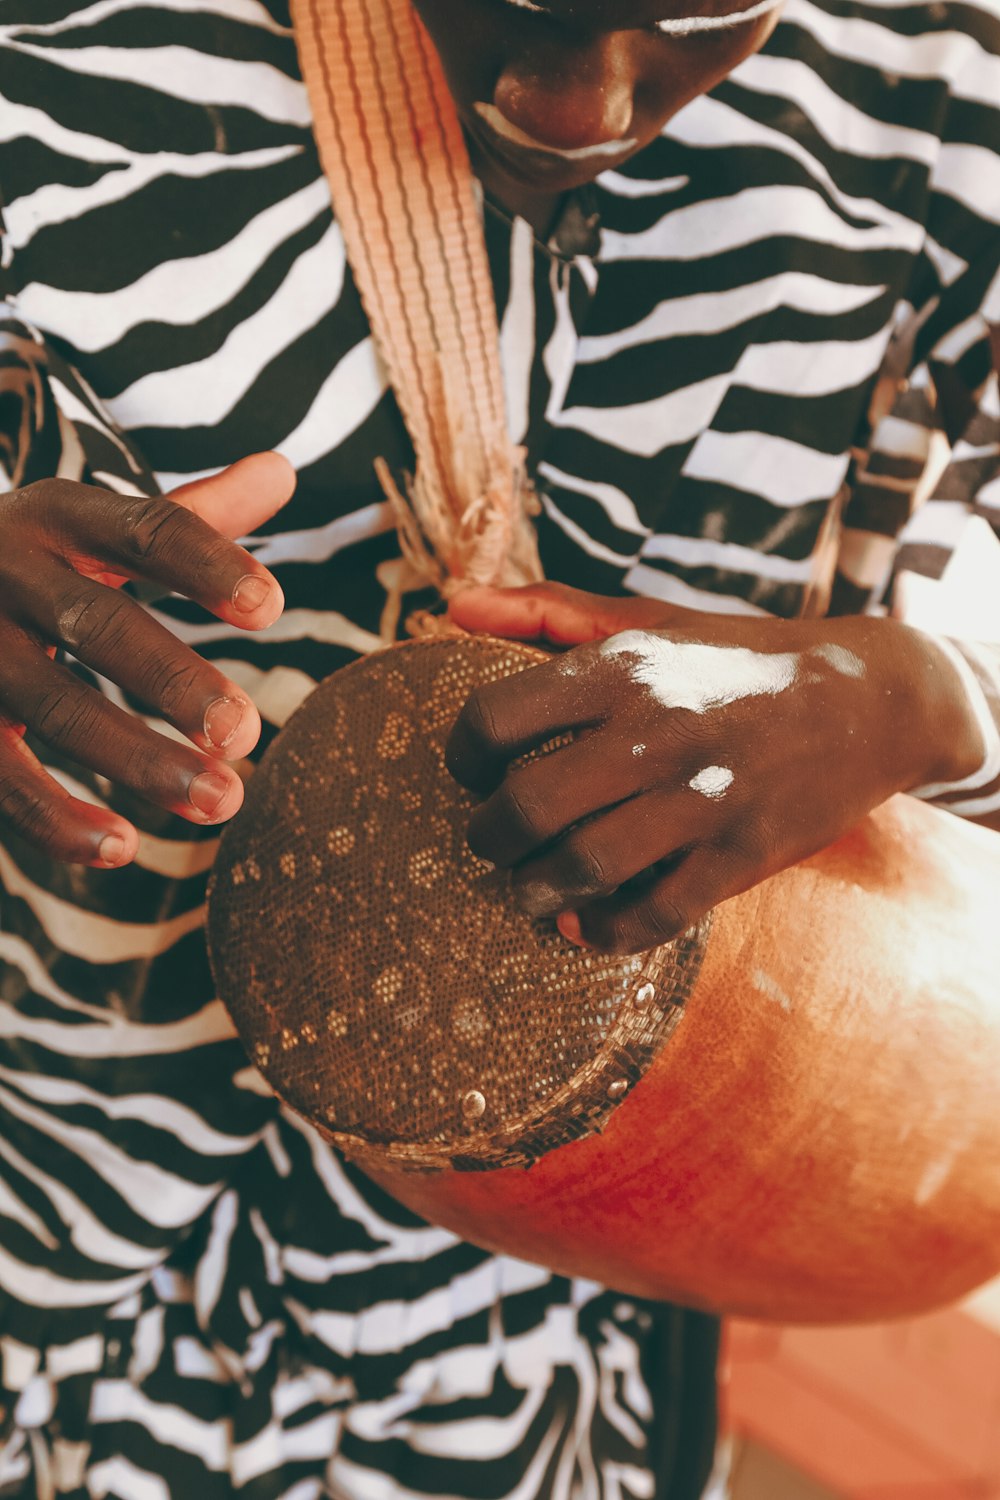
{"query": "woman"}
[(744, 273)]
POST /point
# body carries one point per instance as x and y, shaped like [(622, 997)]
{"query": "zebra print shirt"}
[(730, 369)]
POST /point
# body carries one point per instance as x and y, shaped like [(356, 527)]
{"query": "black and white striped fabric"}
[(729, 402)]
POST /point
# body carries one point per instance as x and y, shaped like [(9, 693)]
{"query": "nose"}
[(570, 96)]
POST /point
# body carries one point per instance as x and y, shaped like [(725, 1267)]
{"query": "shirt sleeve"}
[(52, 425), (921, 527), (946, 578)]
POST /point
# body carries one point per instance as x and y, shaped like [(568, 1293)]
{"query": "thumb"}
[(234, 503), (243, 496), (555, 613)]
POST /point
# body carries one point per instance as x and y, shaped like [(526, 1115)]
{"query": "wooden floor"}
[(760, 1475), (901, 1411)]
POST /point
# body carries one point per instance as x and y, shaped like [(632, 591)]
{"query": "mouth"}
[(529, 159)]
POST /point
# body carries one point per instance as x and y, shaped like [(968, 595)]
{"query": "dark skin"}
[(68, 546), (619, 846), (618, 843), (588, 72), (67, 549)]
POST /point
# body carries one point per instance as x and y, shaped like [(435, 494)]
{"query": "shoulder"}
[(979, 19), (910, 78), (942, 40)]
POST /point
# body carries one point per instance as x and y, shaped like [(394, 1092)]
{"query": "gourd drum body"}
[(818, 1140)]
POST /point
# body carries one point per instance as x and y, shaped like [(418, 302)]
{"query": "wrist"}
[(942, 691)]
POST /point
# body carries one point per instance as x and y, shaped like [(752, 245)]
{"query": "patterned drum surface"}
[(380, 975)]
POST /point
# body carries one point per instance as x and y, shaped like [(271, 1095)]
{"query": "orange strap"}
[(392, 149)]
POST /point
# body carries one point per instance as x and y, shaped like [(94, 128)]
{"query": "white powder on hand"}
[(713, 781), (691, 675), (840, 659)]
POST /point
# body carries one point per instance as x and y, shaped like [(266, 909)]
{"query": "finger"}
[(635, 919), (72, 718), (596, 858), (505, 719), (539, 800), (167, 543), (34, 806), (555, 613), (234, 503), (109, 632), (242, 497)]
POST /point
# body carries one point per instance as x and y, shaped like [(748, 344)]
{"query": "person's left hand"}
[(707, 751)]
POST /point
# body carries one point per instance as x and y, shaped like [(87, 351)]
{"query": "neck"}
[(540, 210)]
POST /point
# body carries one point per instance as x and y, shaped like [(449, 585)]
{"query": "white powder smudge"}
[(769, 987), (840, 659), (638, 749), (539, 895), (934, 1179), (688, 674), (713, 781)]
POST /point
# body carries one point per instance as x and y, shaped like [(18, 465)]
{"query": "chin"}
[(528, 173)]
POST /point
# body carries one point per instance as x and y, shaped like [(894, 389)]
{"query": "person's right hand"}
[(64, 549)]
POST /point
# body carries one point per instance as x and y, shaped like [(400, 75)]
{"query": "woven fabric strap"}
[(392, 149)]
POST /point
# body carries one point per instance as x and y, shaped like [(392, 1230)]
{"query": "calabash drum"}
[(819, 1140)]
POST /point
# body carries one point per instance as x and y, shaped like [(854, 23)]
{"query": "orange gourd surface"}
[(820, 1140)]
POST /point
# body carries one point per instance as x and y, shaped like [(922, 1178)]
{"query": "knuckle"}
[(663, 919), (587, 866), (520, 810), (142, 768), (36, 820), (150, 525), (173, 685), (64, 716), (480, 720), (88, 621)]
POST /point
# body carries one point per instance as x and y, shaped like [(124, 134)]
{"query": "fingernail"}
[(112, 849), (250, 593), (568, 924), (206, 792), (222, 720)]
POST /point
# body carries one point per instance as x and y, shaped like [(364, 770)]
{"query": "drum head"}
[(380, 975)]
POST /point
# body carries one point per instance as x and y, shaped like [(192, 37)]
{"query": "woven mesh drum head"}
[(380, 975)]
